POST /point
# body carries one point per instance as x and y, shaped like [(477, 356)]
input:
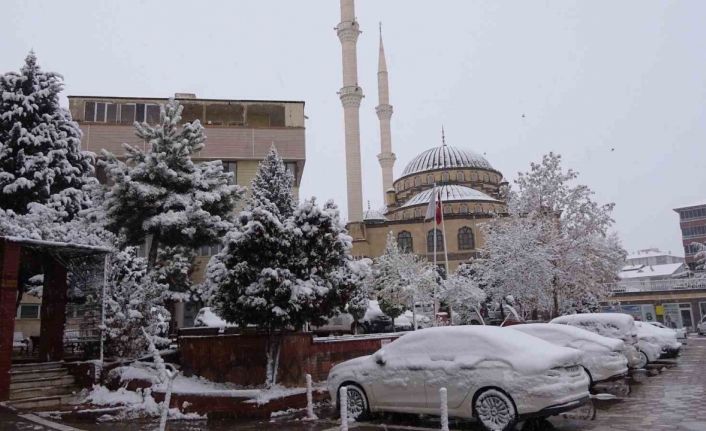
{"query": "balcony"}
[(658, 285)]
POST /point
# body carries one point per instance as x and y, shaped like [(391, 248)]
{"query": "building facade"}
[(692, 222)]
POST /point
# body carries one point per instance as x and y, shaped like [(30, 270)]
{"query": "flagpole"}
[(436, 305)]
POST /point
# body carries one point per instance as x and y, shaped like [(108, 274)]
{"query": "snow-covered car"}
[(701, 327), (492, 374), (680, 332), (666, 339), (615, 325), (601, 356)]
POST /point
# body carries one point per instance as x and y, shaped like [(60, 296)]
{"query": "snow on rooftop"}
[(449, 193), (701, 203), (640, 271), (374, 215), (652, 252), (445, 157)]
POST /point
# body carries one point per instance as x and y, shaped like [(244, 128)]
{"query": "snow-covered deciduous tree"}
[(556, 241), (162, 195), (133, 301), (462, 292), (401, 280), (40, 145), (361, 276)]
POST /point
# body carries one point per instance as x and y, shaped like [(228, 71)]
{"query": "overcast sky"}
[(616, 87)]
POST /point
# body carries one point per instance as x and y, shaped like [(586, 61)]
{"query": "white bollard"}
[(309, 400), (444, 409), (343, 400)]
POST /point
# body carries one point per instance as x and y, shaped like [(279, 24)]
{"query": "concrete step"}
[(28, 393), (41, 403), (42, 373), (43, 383), (37, 365)]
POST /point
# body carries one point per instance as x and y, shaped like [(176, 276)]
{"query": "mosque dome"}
[(445, 157), (449, 193)]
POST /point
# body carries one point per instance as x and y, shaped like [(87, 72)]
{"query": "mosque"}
[(469, 185)]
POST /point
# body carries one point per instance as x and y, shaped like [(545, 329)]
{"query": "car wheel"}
[(357, 402), (495, 410), (643, 360)]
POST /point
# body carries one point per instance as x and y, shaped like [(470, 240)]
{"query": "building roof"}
[(645, 271), (692, 205), (445, 157), (374, 215), (449, 193), (181, 97), (651, 253)]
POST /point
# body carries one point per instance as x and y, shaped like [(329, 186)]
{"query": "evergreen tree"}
[(133, 299), (361, 277), (274, 183), (281, 268), (40, 146), (161, 194)]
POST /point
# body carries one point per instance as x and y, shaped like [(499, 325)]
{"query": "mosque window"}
[(404, 242), (474, 177), (417, 181), (417, 212), (463, 209), (445, 177), (407, 215), (448, 209), (486, 178), (466, 241), (439, 241), (430, 179), (460, 177)]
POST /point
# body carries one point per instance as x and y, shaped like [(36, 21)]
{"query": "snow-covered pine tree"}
[(274, 183), (320, 257), (40, 145), (161, 194), (133, 301)]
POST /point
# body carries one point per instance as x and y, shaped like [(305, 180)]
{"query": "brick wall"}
[(240, 358)]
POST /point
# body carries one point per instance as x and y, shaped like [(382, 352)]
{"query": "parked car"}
[(615, 325), (494, 375), (680, 332), (666, 339), (701, 327), (601, 356)]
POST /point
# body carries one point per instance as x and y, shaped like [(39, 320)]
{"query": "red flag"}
[(438, 208)]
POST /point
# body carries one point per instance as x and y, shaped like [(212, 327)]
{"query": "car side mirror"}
[(379, 359)]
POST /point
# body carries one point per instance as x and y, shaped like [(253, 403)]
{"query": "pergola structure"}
[(53, 257)]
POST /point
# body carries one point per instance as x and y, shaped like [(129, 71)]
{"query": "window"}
[(404, 242), (292, 168), (439, 241), (231, 166), (140, 112), (152, 114), (29, 311), (445, 177), (460, 177), (100, 112), (111, 113), (127, 113), (695, 213), (465, 239), (89, 111), (694, 231), (430, 179), (463, 209), (418, 213)]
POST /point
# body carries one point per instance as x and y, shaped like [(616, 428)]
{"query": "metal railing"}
[(657, 285)]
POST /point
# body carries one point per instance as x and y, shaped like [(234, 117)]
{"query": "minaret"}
[(351, 94), (384, 111)]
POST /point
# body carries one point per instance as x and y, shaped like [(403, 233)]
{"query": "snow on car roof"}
[(469, 345), (614, 325), (565, 335)]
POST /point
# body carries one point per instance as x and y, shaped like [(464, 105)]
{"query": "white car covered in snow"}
[(492, 374), (615, 325), (601, 356), (680, 332), (666, 339), (701, 327)]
